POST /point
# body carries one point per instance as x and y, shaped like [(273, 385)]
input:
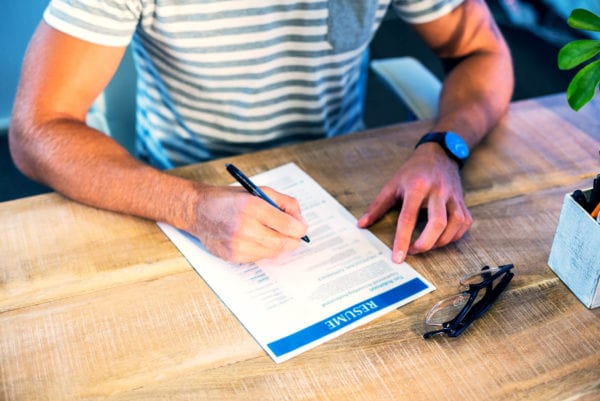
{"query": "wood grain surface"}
[(96, 305)]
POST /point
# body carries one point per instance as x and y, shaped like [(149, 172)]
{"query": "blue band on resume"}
[(346, 317)]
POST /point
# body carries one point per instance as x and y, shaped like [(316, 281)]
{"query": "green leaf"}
[(584, 19), (583, 86), (574, 53)]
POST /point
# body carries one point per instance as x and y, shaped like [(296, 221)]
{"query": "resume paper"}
[(342, 279)]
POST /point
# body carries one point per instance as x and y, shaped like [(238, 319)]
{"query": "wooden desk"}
[(97, 305)]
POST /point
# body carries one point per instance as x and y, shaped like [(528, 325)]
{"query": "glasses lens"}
[(446, 310)]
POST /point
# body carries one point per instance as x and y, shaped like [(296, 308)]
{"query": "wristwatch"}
[(455, 147)]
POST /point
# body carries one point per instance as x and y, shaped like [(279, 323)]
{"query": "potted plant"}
[(584, 84)]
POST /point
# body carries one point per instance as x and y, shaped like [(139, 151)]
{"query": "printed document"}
[(342, 279)]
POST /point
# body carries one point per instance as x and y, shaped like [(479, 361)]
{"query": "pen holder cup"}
[(575, 253)]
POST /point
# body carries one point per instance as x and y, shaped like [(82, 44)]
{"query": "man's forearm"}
[(479, 85), (475, 95), (91, 168)]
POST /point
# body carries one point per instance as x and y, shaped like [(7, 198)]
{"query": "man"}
[(224, 77)]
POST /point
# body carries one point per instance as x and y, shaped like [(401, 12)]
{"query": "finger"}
[(253, 240), (405, 227), (437, 224), (266, 246), (385, 199), (456, 220), (282, 223), (233, 231), (467, 222), (286, 203), (273, 243), (459, 222)]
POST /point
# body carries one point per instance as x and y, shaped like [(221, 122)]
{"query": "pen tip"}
[(306, 239)]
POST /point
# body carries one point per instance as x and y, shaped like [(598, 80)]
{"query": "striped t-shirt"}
[(223, 77)]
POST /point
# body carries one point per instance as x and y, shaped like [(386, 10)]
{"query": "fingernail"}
[(363, 219), (398, 257)]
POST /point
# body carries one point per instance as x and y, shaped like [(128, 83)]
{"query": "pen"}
[(253, 189), (580, 198), (595, 194)]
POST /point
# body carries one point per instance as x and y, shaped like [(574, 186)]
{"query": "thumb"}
[(378, 207)]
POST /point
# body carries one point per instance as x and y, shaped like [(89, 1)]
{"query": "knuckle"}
[(233, 252), (423, 183), (288, 245), (419, 248), (289, 226), (405, 220), (438, 225), (420, 184), (463, 219), (468, 219), (294, 203), (459, 219)]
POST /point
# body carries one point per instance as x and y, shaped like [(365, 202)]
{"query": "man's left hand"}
[(431, 180)]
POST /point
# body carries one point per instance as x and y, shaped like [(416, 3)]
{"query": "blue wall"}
[(19, 19)]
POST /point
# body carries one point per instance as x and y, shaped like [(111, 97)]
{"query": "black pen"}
[(594, 194), (580, 198), (253, 189)]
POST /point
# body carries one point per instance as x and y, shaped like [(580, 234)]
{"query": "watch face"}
[(456, 145)]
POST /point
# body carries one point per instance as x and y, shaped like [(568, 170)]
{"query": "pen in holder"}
[(575, 253)]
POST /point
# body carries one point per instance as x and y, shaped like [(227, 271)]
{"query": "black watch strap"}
[(452, 144)]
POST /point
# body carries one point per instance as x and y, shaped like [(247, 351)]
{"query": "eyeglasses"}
[(456, 313)]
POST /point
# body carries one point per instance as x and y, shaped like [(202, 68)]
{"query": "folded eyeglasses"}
[(454, 314)]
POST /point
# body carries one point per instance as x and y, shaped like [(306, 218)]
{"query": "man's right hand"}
[(240, 227)]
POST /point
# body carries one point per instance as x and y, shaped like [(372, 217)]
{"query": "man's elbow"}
[(20, 145)]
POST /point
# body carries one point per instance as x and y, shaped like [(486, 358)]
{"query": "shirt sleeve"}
[(421, 11), (103, 22)]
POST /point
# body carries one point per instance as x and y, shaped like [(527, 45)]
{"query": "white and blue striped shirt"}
[(223, 77)]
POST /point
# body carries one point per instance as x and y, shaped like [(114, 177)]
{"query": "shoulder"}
[(109, 23)]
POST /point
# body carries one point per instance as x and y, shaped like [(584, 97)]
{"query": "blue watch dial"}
[(456, 145)]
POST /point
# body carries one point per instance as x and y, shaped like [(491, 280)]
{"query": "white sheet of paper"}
[(343, 278)]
